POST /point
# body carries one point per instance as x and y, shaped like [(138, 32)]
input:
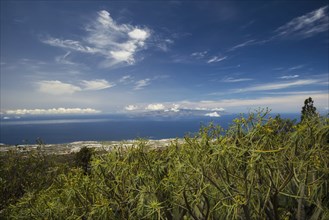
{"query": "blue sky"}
[(164, 56)]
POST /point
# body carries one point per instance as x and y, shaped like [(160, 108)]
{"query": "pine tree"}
[(308, 110)]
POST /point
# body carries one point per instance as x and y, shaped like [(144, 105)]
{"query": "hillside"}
[(260, 168)]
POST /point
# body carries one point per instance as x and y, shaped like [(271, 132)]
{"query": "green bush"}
[(260, 168), (83, 159), (28, 172)]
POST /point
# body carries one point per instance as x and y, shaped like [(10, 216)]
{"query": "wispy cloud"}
[(296, 67), (164, 45), (64, 59), (280, 103), (199, 55), (52, 111), (140, 84), (116, 43), (276, 86), (307, 93), (244, 44), (98, 84), (307, 25), (247, 25), (234, 80), (216, 59), (69, 44), (126, 79), (56, 87), (293, 68), (289, 77)]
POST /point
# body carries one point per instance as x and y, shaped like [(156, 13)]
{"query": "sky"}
[(169, 57)]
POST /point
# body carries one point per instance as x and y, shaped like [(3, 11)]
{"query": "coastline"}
[(75, 147)]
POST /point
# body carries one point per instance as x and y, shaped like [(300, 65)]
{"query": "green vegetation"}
[(83, 159), (308, 110), (260, 168), (28, 172)]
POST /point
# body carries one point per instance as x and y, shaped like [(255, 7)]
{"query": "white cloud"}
[(275, 86), (52, 111), (163, 45), (244, 44), (116, 43), (126, 79), (155, 107), (296, 92), (131, 108), (70, 44), (199, 109), (140, 84), (165, 107), (289, 102), (139, 34), (289, 69), (64, 59), (123, 56), (56, 87), (281, 103), (199, 55), (199, 106), (218, 109), (233, 80), (307, 25), (213, 114), (216, 59), (98, 84), (289, 77), (105, 19), (174, 108), (296, 67)]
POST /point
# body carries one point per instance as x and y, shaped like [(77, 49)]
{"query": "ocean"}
[(66, 129)]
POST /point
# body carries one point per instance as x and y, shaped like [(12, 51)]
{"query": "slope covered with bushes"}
[(260, 168)]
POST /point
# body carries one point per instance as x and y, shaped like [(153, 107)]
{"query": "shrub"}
[(83, 158), (27, 172)]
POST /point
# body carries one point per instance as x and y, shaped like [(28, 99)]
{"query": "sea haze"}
[(66, 129)]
